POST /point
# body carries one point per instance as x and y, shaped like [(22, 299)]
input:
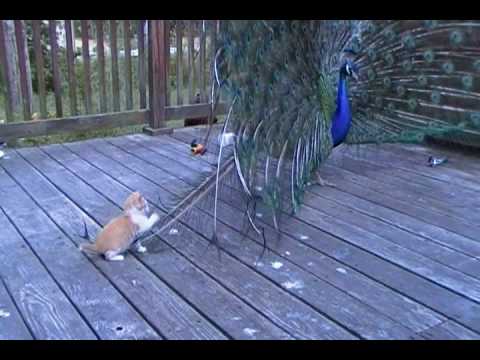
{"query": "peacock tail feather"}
[(421, 78)]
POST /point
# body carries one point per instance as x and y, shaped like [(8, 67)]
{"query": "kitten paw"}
[(141, 249), (154, 218), (112, 257)]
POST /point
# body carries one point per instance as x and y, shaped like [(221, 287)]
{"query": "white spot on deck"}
[(310, 263), (4, 314), (293, 284), (287, 253), (258, 188), (277, 265), (259, 215), (341, 270), (304, 237), (236, 318), (250, 332), (173, 232)]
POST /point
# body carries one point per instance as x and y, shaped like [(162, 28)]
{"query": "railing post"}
[(158, 98)]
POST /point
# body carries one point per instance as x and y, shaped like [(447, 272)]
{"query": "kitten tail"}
[(89, 248)]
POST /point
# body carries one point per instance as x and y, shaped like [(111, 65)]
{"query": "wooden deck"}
[(391, 253)]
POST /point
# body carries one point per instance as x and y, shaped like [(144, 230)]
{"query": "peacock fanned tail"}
[(419, 78)]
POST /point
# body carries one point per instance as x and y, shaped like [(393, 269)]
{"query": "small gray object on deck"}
[(434, 161)]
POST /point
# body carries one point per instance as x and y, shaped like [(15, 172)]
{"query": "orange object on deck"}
[(197, 149)]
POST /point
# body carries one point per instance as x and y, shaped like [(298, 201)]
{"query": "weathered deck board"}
[(464, 160), (392, 252), (12, 326), (45, 308), (394, 186), (446, 255), (451, 226), (458, 162), (369, 159), (448, 174), (449, 331)]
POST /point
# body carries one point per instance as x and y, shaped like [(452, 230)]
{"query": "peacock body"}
[(293, 98)]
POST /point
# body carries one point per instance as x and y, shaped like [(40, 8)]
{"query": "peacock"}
[(297, 89)]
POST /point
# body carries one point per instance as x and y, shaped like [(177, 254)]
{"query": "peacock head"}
[(349, 68)]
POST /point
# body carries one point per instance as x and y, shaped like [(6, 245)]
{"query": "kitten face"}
[(136, 202)]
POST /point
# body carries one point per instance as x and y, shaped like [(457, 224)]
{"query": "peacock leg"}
[(323, 182)]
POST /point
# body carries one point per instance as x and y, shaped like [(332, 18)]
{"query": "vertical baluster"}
[(57, 84)]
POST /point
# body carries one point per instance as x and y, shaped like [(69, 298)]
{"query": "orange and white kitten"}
[(119, 234)]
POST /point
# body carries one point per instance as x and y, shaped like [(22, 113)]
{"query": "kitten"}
[(119, 234)]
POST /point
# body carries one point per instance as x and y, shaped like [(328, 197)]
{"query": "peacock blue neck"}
[(342, 117)]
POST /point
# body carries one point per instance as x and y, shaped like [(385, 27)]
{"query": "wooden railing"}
[(71, 75)]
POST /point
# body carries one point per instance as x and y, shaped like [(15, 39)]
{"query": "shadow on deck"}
[(391, 253)]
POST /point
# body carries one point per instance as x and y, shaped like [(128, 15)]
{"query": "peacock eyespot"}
[(412, 104), (429, 56), (476, 65), (409, 41), (467, 82), (370, 28), (391, 106), (372, 55), (435, 97), (407, 65), (422, 80), (389, 35), (431, 24), (448, 67), (389, 59), (475, 118), (387, 82), (401, 91), (456, 37)]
